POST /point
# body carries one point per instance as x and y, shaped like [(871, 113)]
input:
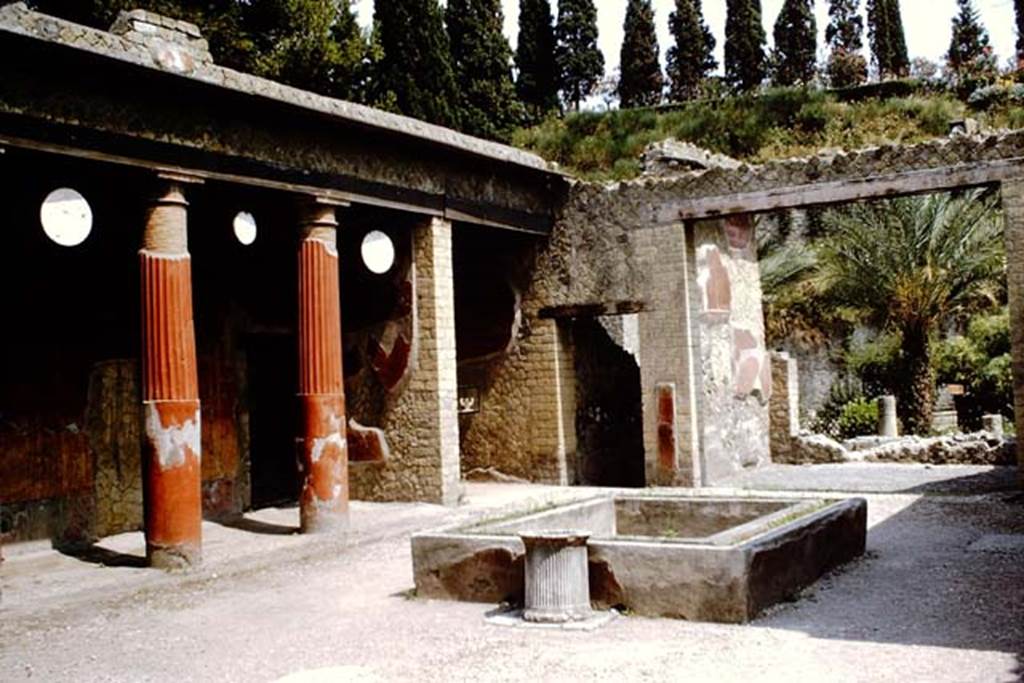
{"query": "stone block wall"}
[(420, 418)]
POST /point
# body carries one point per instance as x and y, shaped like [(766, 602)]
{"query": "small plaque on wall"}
[(469, 400)]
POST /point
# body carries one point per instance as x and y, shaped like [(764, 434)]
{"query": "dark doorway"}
[(609, 413), (272, 419)]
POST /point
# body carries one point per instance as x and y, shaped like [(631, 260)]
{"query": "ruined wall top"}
[(171, 42), (935, 165), (157, 42), (671, 157)]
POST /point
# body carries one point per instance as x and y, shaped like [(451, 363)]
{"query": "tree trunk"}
[(917, 391)]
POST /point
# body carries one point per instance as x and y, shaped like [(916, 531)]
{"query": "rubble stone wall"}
[(784, 406)]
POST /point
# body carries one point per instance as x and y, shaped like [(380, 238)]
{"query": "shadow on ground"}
[(97, 554), (926, 580), (256, 526), (997, 479)]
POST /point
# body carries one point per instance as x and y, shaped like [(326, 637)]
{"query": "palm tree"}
[(788, 297), (908, 265)]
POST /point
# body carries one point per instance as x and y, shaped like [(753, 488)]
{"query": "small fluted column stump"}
[(323, 454), (887, 425), (557, 578), (993, 424), (170, 387)]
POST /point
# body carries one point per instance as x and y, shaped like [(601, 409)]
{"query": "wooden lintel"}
[(509, 219), (842, 191), (592, 310)]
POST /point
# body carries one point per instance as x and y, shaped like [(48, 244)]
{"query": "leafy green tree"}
[(908, 265), (580, 62), (844, 34), (414, 68), (745, 63), (311, 44), (691, 58), (888, 42), (969, 41), (796, 43), (482, 60), (640, 82), (537, 83)]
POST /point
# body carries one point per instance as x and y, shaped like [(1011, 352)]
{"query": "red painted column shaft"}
[(323, 453), (170, 388)]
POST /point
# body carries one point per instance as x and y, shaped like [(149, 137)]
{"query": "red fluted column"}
[(323, 454), (170, 387)]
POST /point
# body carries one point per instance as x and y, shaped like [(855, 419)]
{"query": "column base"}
[(172, 483), (323, 462), (174, 558)]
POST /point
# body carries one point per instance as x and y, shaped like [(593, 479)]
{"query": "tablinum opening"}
[(609, 411)]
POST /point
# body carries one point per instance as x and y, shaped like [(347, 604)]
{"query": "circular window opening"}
[(378, 252), (245, 228), (66, 217)]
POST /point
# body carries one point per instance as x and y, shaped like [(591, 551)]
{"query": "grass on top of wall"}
[(778, 123)]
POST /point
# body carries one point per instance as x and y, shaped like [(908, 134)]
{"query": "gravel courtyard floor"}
[(938, 597)]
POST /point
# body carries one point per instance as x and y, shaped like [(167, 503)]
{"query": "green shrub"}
[(843, 391), (988, 97), (813, 117), (857, 418), (880, 90), (980, 361), (991, 333)]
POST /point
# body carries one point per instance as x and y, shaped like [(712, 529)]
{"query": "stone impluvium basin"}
[(699, 558)]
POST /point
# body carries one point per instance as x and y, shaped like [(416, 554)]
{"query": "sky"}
[(926, 22)]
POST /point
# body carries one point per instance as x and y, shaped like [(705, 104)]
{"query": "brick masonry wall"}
[(420, 420), (666, 354), (525, 427)]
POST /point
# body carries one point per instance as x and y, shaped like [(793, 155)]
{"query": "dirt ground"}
[(939, 596)]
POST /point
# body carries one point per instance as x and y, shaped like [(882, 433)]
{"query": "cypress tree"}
[(641, 81), (311, 44), (844, 34), (537, 84), (745, 64), (1018, 11), (580, 62), (691, 58), (969, 40), (482, 60), (414, 70), (888, 43), (796, 43), (900, 64)]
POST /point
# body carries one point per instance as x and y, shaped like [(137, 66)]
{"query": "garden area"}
[(904, 298)]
